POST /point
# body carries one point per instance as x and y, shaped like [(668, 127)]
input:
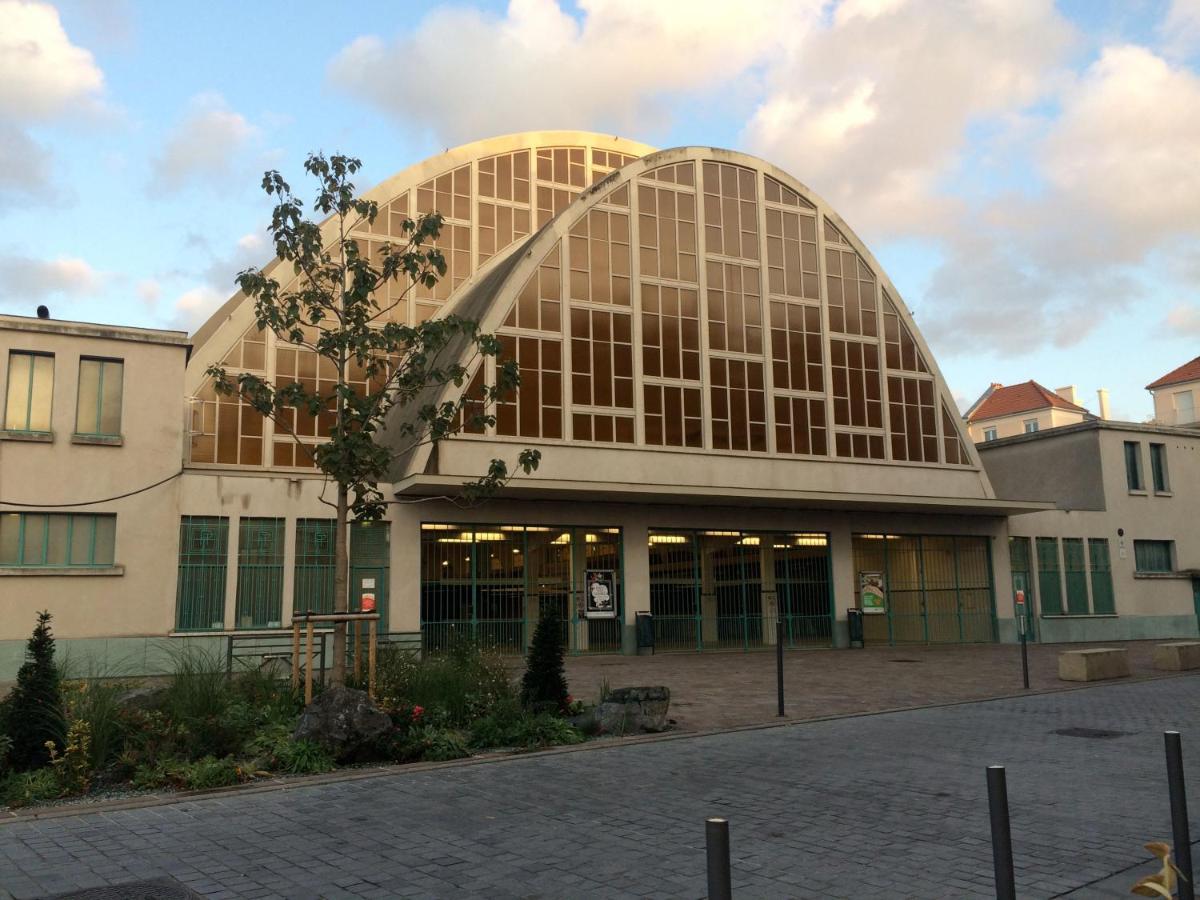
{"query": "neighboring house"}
[(1004, 411), (1177, 395), (1119, 557), (90, 413), (739, 420)]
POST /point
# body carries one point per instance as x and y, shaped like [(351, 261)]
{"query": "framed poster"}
[(599, 597), (871, 593)]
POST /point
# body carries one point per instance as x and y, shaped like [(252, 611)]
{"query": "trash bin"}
[(854, 621), (644, 626)]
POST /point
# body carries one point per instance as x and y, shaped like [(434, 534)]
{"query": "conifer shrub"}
[(32, 714), (544, 685)]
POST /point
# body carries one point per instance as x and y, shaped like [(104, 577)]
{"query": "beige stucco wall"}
[(1164, 403), (136, 596), (1009, 426), (1141, 515)]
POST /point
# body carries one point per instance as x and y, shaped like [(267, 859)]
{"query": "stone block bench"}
[(1178, 656), (1093, 665)]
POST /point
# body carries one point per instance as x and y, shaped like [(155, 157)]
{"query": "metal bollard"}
[(779, 663), (1180, 831), (720, 883), (1002, 858)]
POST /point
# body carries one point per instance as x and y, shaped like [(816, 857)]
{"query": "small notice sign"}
[(871, 593), (599, 598)]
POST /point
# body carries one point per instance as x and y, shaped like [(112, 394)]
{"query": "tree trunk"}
[(341, 584)]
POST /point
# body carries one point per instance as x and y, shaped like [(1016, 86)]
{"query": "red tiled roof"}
[(1189, 371), (1019, 398)]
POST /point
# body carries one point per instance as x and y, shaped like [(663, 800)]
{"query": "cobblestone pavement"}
[(729, 689), (891, 805)]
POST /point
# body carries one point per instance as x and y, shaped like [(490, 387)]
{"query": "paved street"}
[(891, 805)]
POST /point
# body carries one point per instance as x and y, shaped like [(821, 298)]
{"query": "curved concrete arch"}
[(489, 295)]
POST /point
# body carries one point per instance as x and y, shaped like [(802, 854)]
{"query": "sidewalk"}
[(731, 689)]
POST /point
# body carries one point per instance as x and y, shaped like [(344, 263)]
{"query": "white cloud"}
[(204, 146), (42, 74), (43, 78), (149, 291), (28, 278), (872, 109), (1182, 320), (1180, 27), (536, 66), (193, 306)]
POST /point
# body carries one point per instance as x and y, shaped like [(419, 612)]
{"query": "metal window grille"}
[(1103, 598), (1049, 577), (203, 563), (313, 582), (939, 588), (1152, 556), (260, 573), (1075, 573)]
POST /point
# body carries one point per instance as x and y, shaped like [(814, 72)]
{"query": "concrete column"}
[(289, 572), (404, 571), (843, 578), (635, 579), (770, 598), (579, 624), (708, 594), (231, 575), (1006, 615)]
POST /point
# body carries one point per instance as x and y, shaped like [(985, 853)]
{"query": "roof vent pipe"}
[(1102, 395)]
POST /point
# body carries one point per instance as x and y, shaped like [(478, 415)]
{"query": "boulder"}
[(344, 721), (145, 697), (633, 709)]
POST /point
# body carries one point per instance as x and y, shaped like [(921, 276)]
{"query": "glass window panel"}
[(57, 528), (87, 412), (34, 534), (10, 535)]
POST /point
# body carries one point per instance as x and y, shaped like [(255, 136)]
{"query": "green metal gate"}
[(939, 588), (1103, 598), (725, 590), (313, 582), (260, 573), (1049, 577), (1075, 571), (490, 583), (203, 565)]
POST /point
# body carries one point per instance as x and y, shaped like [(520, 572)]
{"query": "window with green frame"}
[(1049, 577), (1075, 575), (1158, 468), (80, 540), (1133, 466), (1152, 556), (313, 590), (30, 391), (260, 573), (1103, 599), (98, 411), (203, 563)]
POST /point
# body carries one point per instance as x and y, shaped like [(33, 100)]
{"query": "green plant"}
[(208, 772), (158, 774), (29, 788), (544, 686), (438, 744), (74, 765), (451, 689), (97, 704), (303, 758), (32, 713), (5, 747)]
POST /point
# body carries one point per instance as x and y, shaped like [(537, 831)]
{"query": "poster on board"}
[(871, 593), (599, 598)]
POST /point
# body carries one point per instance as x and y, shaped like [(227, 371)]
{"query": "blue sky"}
[(1027, 172)]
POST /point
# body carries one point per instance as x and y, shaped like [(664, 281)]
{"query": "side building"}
[(1119, 556), (1003, 411), (739, 420)]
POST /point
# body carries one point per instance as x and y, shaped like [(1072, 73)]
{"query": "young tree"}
[(32, 713), (544, 685), (385, 373)]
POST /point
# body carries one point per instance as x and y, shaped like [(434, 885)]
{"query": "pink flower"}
[(417, 712)]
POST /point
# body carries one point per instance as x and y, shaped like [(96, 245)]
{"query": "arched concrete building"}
[(739, 423)]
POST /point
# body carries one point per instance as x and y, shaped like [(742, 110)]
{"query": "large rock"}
[(343, 721), (633, 709)]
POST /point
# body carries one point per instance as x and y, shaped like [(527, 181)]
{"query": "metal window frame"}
[(105, 362), (30, 355), (72, 518)]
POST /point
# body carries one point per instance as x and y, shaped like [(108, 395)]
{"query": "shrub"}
[(544, 687), (27, 788), (303, 758), (437, 744), (524, 730), (452, 688), (208, 772), (74, 765), (96, 704), (32, 713)]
